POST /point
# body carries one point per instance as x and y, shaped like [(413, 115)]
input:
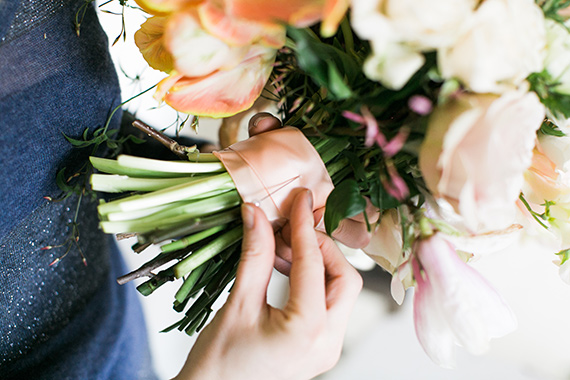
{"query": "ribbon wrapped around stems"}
[(268, 168)]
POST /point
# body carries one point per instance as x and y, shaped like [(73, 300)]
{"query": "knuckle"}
[(352, 234)]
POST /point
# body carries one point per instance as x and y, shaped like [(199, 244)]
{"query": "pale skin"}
[(353, 232), (248, 338)]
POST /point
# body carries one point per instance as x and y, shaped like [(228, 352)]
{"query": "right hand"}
[(352, 232), (249, 339)]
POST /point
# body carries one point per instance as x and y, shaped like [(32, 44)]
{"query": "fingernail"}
[(309, 197), (258, 117), (247, 215)]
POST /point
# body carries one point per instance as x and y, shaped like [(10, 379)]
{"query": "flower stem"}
[(174, 216), (172, 194), (191, 239), (112, 183), (206, 253), (169, 166)]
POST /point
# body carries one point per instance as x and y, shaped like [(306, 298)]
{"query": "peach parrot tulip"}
[(218, 65)]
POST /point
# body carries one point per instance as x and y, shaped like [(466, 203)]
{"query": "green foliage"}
[(552, 8), (564, 255), (380, 197), (550, 129), (345, 201), (100, 136), (324, 63), (545, 87)]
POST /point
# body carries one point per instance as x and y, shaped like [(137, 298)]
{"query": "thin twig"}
[(179, 150)]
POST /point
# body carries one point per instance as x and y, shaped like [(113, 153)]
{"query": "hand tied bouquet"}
[(449, 117)]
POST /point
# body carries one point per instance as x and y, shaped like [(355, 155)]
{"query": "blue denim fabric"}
[(66, 321)]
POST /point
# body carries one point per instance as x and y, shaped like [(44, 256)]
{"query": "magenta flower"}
[(454, 304)]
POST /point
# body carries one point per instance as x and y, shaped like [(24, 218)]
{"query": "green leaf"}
[(344, 201), (551, 8), (61, 181), (545, 87), (324, 63), (551, 129), (564, 255), (380, 197), (356, 164), (337, 83)]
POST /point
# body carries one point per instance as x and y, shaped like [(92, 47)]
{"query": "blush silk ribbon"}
[(270, 168)]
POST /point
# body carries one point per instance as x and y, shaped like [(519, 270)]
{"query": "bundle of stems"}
[(191, 210)]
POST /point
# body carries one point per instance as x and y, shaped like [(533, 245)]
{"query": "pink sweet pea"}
[(454, 304)]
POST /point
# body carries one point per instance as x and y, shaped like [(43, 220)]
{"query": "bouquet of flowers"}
[(450, 118)]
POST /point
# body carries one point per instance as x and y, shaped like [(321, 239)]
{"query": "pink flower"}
[(476, 151), (454, 304)]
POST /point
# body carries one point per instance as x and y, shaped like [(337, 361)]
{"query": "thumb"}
[(257, 258)]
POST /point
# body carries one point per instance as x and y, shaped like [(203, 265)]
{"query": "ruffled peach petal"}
[(166, 84), (299, 13), (196, 52), (333, 12), (237, 31), (222, 93), (165, 7), (150, 41)]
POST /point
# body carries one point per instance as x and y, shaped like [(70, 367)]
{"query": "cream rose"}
[(399, 30), (498, 47), (475, 152)]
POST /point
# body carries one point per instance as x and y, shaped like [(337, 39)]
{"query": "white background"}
[(380, 343)]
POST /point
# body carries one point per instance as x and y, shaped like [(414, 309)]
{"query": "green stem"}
[(182, 167), (206, 253), (189, 240), (170, 195), (202, 157), (196, 225), (189, 283), (106, 165), (175, 216), (112, 183), (122, 104)]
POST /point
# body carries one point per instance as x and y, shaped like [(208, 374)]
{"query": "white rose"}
[(557, 61), (498, 47), (476, 151), (399, 30)]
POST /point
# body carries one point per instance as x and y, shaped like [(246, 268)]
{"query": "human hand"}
[(352, 232), (249, 339)]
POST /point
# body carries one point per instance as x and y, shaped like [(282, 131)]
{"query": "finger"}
[(343, 282), (353, 232), (283, 255), (257, 257), (307, 280), (263, 122)]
